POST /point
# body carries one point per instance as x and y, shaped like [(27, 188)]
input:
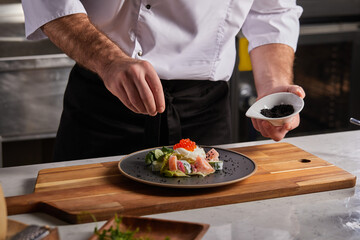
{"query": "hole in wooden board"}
[(304, 160)]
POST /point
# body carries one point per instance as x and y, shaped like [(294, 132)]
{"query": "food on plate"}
[(184, 159)]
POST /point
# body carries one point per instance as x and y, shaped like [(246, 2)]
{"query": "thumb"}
[(296, 90)]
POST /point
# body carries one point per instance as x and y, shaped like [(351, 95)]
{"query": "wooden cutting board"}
[(73, 193)]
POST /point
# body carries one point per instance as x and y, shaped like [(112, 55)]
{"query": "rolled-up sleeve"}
[(39, 12), (272, 21)]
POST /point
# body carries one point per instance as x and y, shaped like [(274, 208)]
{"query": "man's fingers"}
[(147, 97), (122, 95), (276, 133), (255, 124), (266, 129), (296, 90), (149, 90), (141, 89), (133, 97), (154, 83)]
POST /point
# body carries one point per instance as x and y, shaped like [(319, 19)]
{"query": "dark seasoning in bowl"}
[(278, 111)]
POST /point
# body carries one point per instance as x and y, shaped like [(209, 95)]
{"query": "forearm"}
[(272, 67), (273, 72), (134, 82), (76, 36)]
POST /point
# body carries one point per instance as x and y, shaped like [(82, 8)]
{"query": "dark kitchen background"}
[(33, 76)]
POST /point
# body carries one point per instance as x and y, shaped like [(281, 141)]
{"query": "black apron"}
[(95, 123)]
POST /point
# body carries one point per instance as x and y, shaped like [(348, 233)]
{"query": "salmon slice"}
[(203, 166), (212, 155), (180, 166), (172, 163)]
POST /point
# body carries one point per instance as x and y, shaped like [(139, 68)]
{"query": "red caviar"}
[(187, 144)]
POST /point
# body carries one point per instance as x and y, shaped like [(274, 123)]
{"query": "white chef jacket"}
[(182, 39)]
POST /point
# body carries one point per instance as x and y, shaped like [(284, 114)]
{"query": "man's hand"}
[(273, 72), (277, 133), (134, 82)]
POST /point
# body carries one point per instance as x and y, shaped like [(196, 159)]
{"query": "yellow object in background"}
[(244, 57), (3, 215)]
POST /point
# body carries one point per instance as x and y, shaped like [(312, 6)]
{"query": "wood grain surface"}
[(75, 193), (152, 228)]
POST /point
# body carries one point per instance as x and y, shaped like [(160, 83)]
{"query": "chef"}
[(150, 72)]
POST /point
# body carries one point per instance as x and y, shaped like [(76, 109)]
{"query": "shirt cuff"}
[(38, 13), (278, 26), (259, 42)]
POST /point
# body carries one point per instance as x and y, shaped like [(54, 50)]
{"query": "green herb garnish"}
[(157, 154), (116, 234)]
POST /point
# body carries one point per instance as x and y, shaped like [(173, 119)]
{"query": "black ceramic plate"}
[(236, 168)]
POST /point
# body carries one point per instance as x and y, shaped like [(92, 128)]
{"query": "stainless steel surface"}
[(355, 121), (33, 75), (31, 93), (333, 28), (11, 13), (12, 34), (35, 62)]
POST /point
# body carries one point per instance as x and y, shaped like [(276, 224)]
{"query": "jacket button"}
[(148, 6)]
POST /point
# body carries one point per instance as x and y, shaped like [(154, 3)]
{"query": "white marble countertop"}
[(324, 215)]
